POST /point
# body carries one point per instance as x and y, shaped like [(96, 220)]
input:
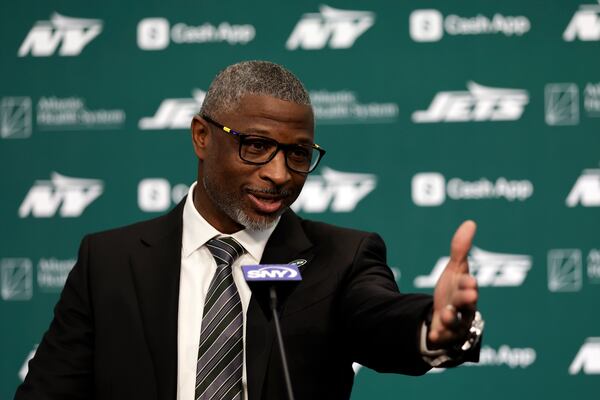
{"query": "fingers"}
[(452, 327), (450, 317), (462, 240), (465, 300), (451, 321), (466, 296), (467, 282)]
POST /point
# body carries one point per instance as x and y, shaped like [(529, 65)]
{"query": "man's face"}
[(232, 194)]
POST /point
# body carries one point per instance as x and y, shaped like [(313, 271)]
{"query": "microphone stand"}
[(286, 372)]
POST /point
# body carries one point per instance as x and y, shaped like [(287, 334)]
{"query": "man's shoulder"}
[(147, 230), (323, 232), (332, 240), (324, 228)]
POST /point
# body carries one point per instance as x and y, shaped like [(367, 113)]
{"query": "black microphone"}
[(270, 275)]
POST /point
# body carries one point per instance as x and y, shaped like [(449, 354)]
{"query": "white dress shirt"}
[(197, 270)]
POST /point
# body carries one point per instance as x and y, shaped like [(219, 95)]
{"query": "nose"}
[(276, 170)]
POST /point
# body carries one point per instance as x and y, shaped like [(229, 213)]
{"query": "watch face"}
[(474, 332)]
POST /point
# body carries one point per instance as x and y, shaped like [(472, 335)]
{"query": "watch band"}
[(439, 356), (475, 332)]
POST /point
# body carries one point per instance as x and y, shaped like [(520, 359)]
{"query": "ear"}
[(200, 136)]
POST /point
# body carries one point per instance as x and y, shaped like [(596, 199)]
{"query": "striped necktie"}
[(220, 356)]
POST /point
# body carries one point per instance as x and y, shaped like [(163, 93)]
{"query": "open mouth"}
[(266, 203)]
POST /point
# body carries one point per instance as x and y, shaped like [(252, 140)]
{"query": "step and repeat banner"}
[(432, 112)]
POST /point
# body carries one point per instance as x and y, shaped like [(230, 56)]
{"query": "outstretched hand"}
[(455, 295)]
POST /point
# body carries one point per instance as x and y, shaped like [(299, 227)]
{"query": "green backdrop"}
[(432, 112)]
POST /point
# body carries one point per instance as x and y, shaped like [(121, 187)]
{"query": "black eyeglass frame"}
[(279, 146)]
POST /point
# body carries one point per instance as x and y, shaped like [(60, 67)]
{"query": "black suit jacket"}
[(114, 332)]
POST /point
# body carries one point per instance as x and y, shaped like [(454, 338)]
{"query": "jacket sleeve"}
[(383, 322), (62, 367)]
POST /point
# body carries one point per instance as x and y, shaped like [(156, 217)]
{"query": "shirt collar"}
[(197, 231)]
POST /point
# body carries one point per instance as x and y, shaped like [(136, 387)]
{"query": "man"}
[(160, 309)]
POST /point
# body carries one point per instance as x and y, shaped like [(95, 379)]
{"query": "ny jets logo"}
[(339, 191), (335, 28), (479, 103), (585, 24), (490, 269), (586, 191), (174, 113), (68, 35), (588, 358), (67, 196)]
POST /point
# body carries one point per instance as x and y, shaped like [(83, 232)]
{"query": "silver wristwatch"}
[(475, 331)]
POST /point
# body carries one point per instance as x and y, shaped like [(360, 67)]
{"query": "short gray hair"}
[(252, 77)]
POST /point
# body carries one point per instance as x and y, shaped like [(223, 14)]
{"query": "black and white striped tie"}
[(220, 356)]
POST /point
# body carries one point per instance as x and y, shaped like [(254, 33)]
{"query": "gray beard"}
[(228, 205)]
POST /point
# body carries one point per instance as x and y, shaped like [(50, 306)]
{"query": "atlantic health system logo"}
[(490, 269), (346, 107), (66, 34), (563, 106), (479, 103), (566, 269), (15, 117), (16, 278), (337, 29), (52, 113), (67, 196)]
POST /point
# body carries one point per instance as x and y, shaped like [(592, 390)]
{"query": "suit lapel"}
[(287, 243), (156, 269)]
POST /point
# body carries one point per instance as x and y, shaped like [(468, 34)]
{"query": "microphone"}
[(271, 275)]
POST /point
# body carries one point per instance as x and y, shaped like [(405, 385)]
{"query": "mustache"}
[(272, 191)]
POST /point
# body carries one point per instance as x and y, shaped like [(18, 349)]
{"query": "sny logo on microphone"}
[(271, 272)]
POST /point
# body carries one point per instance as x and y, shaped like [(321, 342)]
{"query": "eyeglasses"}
[(259, 150)]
